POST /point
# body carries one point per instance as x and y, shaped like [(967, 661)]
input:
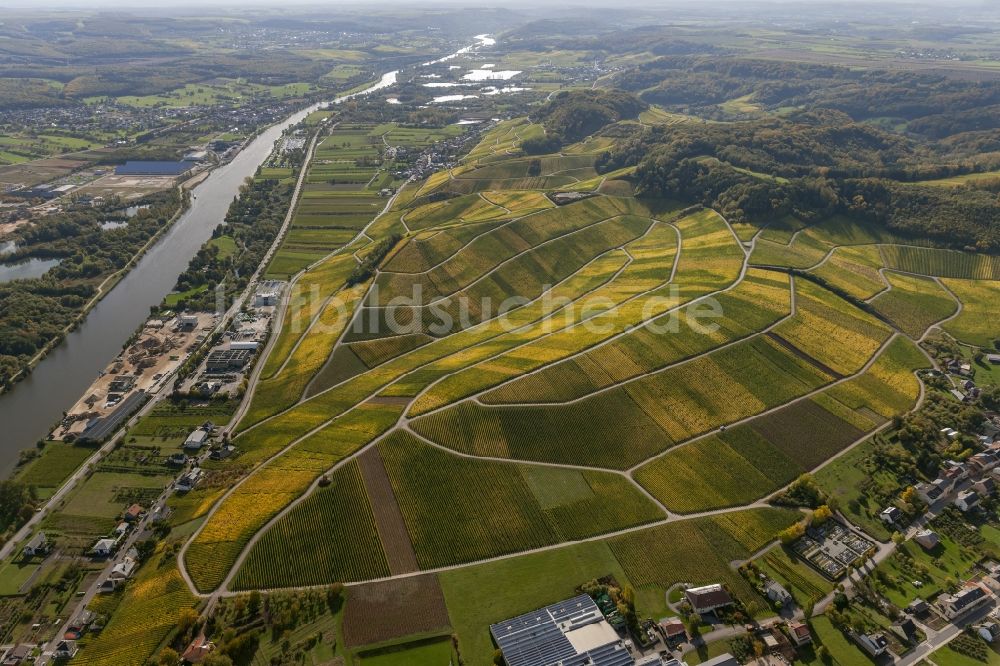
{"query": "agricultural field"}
[(52, 466), (339, 198)]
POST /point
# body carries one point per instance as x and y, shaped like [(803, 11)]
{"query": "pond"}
[(29, 268)]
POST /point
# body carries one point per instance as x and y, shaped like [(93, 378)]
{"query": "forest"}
[(35, 312)]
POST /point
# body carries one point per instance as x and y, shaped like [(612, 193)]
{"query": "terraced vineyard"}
[(629, 375)]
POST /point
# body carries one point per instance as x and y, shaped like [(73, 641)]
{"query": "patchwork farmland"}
[(549, 374)]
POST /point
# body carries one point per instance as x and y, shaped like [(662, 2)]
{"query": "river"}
[(30, 409)]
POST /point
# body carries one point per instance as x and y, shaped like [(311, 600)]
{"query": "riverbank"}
[(63, 375)]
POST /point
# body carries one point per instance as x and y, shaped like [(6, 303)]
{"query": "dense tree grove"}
[(572, 115)]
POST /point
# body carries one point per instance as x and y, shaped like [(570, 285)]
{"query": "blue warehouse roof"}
[(141, 168)]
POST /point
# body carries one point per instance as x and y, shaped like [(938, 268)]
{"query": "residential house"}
[(928, 492), (927, 539), (124, 569), (985, 487), (195, 440), (906, 629), (874, 644), (65, 650), (984, 462), (967, 500), (891, 515), (777, 593), (954, 605), (708, 598), (799, 632), (79, 625), (955, 471), (189, 480), (134, 513), (989, 631), (122, 529), (104, 548), (993, 358), (159, 513), (992, 581), (673, 631), (918, 607), (38, 545)]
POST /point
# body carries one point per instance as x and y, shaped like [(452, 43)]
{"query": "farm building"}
[(708, 598), (144, 168), (569, 632)]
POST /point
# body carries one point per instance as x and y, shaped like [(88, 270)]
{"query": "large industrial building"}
[(569, 633)]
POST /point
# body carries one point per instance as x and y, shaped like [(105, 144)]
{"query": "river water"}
[(30, 409)]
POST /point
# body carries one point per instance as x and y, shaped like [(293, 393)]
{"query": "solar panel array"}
[(538, 638)]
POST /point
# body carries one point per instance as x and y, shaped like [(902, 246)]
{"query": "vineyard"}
[(298, 549), (604, 402), (699, 550), (461, 510), (914, 303)]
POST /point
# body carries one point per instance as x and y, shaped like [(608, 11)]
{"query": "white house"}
[(104, 548), (195, 440), (967, 500)]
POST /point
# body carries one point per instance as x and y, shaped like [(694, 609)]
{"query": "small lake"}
[(452, 98), (490, 74), (30, 268)]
